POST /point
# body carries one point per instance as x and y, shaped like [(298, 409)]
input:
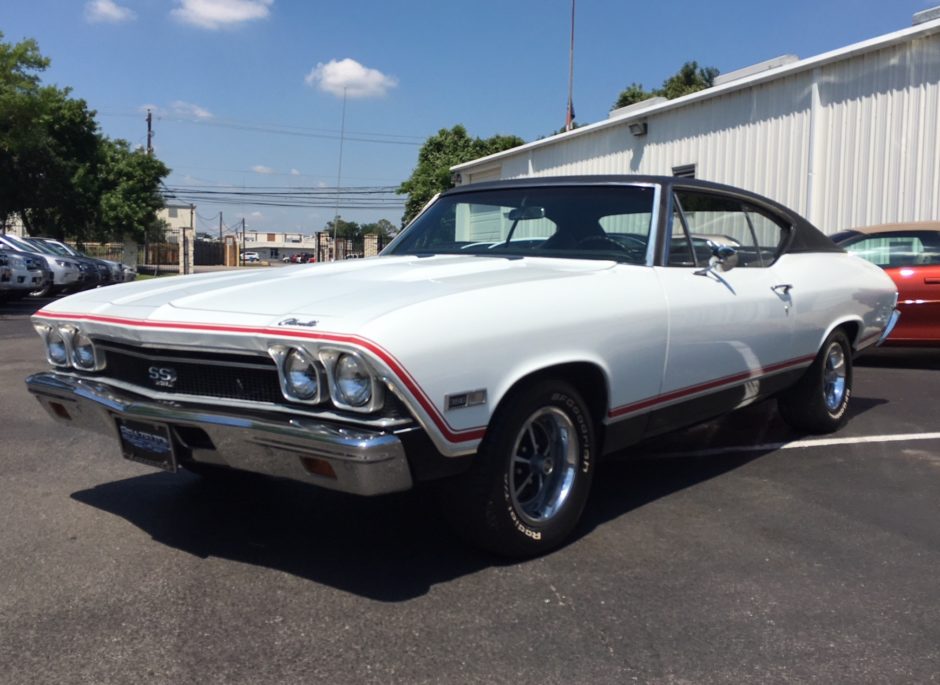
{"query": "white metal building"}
[(847, 138)]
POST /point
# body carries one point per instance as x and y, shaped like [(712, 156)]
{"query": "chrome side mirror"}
[(724, 257)]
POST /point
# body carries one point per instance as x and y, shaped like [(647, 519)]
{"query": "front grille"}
[(228, 376)]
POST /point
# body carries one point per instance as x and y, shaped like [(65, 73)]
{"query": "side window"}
[(768, 234), (895, 250), (712, 218)]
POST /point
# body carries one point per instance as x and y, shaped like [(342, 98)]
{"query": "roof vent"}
[(926, 15), (781, 61)]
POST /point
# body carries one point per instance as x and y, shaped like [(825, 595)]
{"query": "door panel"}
[(724, 329)]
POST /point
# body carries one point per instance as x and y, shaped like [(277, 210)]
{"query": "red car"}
[(910, 255)]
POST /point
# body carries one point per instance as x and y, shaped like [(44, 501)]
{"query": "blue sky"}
[(250, 92)]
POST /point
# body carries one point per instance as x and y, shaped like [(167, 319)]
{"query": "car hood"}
[(341, 296)]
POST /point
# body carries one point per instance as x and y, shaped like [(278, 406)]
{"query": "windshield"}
[(22, 245), (54, 248), (576, 222)]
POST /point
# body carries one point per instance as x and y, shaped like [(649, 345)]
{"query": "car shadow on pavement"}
[(395, 547), (927, 358)]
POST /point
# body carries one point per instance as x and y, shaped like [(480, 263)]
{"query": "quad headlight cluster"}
[(68, 346), (313, 377)]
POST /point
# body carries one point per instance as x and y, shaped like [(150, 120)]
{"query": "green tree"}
[(57, 172), (633, 94), (382, 228), (689, 79), (345, 230), (129, 192), (438, 154)]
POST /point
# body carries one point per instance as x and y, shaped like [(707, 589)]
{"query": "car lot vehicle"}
[(22, 273), (910, 254), (250, 257), (108, 270), (513, 335), (67, 274)]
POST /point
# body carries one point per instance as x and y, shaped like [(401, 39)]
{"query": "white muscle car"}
[(513, 335)]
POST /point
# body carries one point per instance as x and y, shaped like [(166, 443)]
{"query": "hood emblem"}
[(297, 322)]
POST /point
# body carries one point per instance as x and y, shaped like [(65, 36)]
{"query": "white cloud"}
[(189, 111), (256, 215), (348, 75), (107, 11), (216, 14), (294, 172), (261, 169)]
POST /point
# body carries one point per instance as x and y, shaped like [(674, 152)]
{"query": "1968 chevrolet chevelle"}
[(513, 335)]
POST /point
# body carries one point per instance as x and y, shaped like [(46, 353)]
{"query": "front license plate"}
[(147, 443)]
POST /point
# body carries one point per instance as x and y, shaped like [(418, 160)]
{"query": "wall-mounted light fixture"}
[(638, 128)]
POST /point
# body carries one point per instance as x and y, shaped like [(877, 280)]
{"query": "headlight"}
[(57, 349), (301, 376), (83, 352), (353, 381), (17, 262)]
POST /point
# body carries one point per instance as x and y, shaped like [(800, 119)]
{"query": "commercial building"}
[(847, 138)]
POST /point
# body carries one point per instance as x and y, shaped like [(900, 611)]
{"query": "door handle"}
[(932, 280), (782, 288)]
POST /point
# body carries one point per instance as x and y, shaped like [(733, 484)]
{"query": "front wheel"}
[(530, 479), (818, 403)]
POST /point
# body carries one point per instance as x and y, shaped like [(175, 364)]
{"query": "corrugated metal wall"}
[(850, 143)]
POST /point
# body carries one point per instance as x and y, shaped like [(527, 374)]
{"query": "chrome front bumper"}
[(362, 461)]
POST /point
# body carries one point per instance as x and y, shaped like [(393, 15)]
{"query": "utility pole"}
[(221, 244), (242, 256), (149, 133)]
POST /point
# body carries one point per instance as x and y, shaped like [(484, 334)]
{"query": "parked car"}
[(511, 337), (250, 257), (910, 254), (110, 270), (21, 273), (66, 273), (14, 276)]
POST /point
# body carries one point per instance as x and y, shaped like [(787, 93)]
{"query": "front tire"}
[(526, 490), (818, 403)]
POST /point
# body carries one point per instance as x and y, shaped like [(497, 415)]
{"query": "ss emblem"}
[(162, 376)]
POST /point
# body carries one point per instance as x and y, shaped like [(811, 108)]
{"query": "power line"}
[(288, 130)]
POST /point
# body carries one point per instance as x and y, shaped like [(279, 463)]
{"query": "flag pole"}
[(569, 115)]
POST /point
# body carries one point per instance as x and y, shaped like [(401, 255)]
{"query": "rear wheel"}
[(530, 479), (818, 403)]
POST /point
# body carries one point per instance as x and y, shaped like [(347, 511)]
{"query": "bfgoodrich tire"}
[(529, 482), (818, 403)]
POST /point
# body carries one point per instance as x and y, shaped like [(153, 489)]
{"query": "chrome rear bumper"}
[(362, 461), (892, 322)]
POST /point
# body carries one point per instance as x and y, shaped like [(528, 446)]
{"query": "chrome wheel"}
[(834, 377), (544, 464)]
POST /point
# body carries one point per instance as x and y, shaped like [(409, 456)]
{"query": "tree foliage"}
[(58, 173), (689, 79), (438, 154), (130, 197)]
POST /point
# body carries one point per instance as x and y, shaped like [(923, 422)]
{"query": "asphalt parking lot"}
[(735, 552)]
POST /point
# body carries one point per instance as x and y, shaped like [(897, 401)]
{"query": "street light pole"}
[(339, 171)]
